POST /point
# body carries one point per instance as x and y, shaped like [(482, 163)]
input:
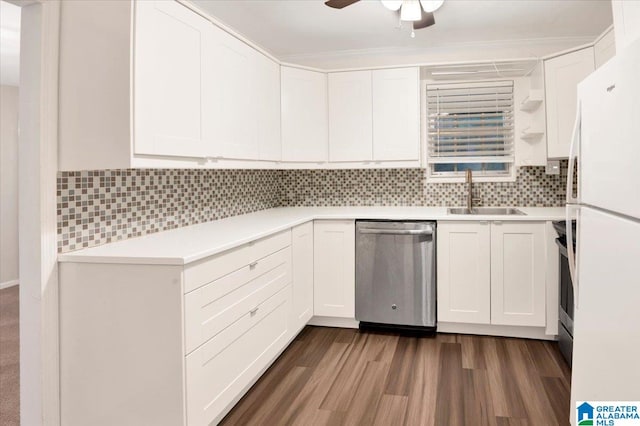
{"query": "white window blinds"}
[(470, 122)]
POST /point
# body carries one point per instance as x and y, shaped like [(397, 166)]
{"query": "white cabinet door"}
[(396, 114), (222, 369), (464, 275), (233, 92), (267, 100), (562, 75), (518, 273), (350, 116), (302, 263), (304, 115), (626, 21), (605, 48), (170, 80), (334, 268)]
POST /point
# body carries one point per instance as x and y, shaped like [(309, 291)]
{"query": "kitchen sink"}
[(508, 211)]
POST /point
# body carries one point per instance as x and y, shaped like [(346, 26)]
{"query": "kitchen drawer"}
[(206, 270), (219, 371), (214, 306)]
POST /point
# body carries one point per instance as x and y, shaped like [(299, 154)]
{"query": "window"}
[(470, 126)]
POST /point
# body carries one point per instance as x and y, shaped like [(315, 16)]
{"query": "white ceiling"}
[(292, 29), (9, 44)]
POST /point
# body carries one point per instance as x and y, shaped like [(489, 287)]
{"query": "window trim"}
[(434, 177)]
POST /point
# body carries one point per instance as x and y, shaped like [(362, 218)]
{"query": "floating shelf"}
[(531, 134), (533, 101)]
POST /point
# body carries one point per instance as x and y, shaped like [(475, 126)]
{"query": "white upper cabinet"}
[(626, 21), (396, 114), (171, 81), (171, 90), (304, 115), (374, 116), (233, 93), (562, 75), (267, 99), (605, 48), (350, 116)]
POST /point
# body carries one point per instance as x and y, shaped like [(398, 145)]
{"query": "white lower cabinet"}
[(172, 344), (464, 272), (181, 344), (219, 372), (215, 306), (518, 273), (334, 271), (492, 273), (302, 280)]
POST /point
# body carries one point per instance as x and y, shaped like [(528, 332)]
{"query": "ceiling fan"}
[(420, 12)]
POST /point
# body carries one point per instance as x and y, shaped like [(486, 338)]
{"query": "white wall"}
[(9, 44), (37, 168), (8, 185)]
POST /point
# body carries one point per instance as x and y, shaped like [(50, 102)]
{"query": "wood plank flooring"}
[(331, 376)]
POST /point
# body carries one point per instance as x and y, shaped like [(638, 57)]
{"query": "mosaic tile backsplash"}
[(97, 207), (409, 187)]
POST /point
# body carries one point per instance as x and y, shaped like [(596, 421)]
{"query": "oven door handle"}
[(562, 247)]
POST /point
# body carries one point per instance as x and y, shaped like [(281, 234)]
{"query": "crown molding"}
[(496, 44), (438, 55)]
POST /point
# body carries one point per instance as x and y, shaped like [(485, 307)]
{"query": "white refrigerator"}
[(606, 264)]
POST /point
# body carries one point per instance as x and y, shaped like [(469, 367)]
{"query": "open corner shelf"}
[(531, 135), (533, 101)]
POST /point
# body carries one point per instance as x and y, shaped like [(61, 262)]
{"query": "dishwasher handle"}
[(396, 231)]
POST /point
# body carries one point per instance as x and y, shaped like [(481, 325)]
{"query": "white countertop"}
[(191, 243)]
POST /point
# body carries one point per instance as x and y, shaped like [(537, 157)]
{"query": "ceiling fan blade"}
[(425, 21), (339, 4)]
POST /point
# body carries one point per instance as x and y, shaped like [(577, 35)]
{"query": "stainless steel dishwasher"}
[(396, 274)]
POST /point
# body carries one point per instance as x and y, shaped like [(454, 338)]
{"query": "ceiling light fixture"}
[(410, 10), (431, 5), (418, 12), (393, 5)]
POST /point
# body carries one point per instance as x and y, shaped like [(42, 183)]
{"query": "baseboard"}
[(334, 322), (495, 330), (8, 284)]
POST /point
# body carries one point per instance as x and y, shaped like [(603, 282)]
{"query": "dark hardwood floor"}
[(331, 376)]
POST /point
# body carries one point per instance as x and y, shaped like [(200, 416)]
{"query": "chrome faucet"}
[(470, 188), (470, 198)]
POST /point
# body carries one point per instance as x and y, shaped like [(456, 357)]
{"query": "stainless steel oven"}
[(566, 308)]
